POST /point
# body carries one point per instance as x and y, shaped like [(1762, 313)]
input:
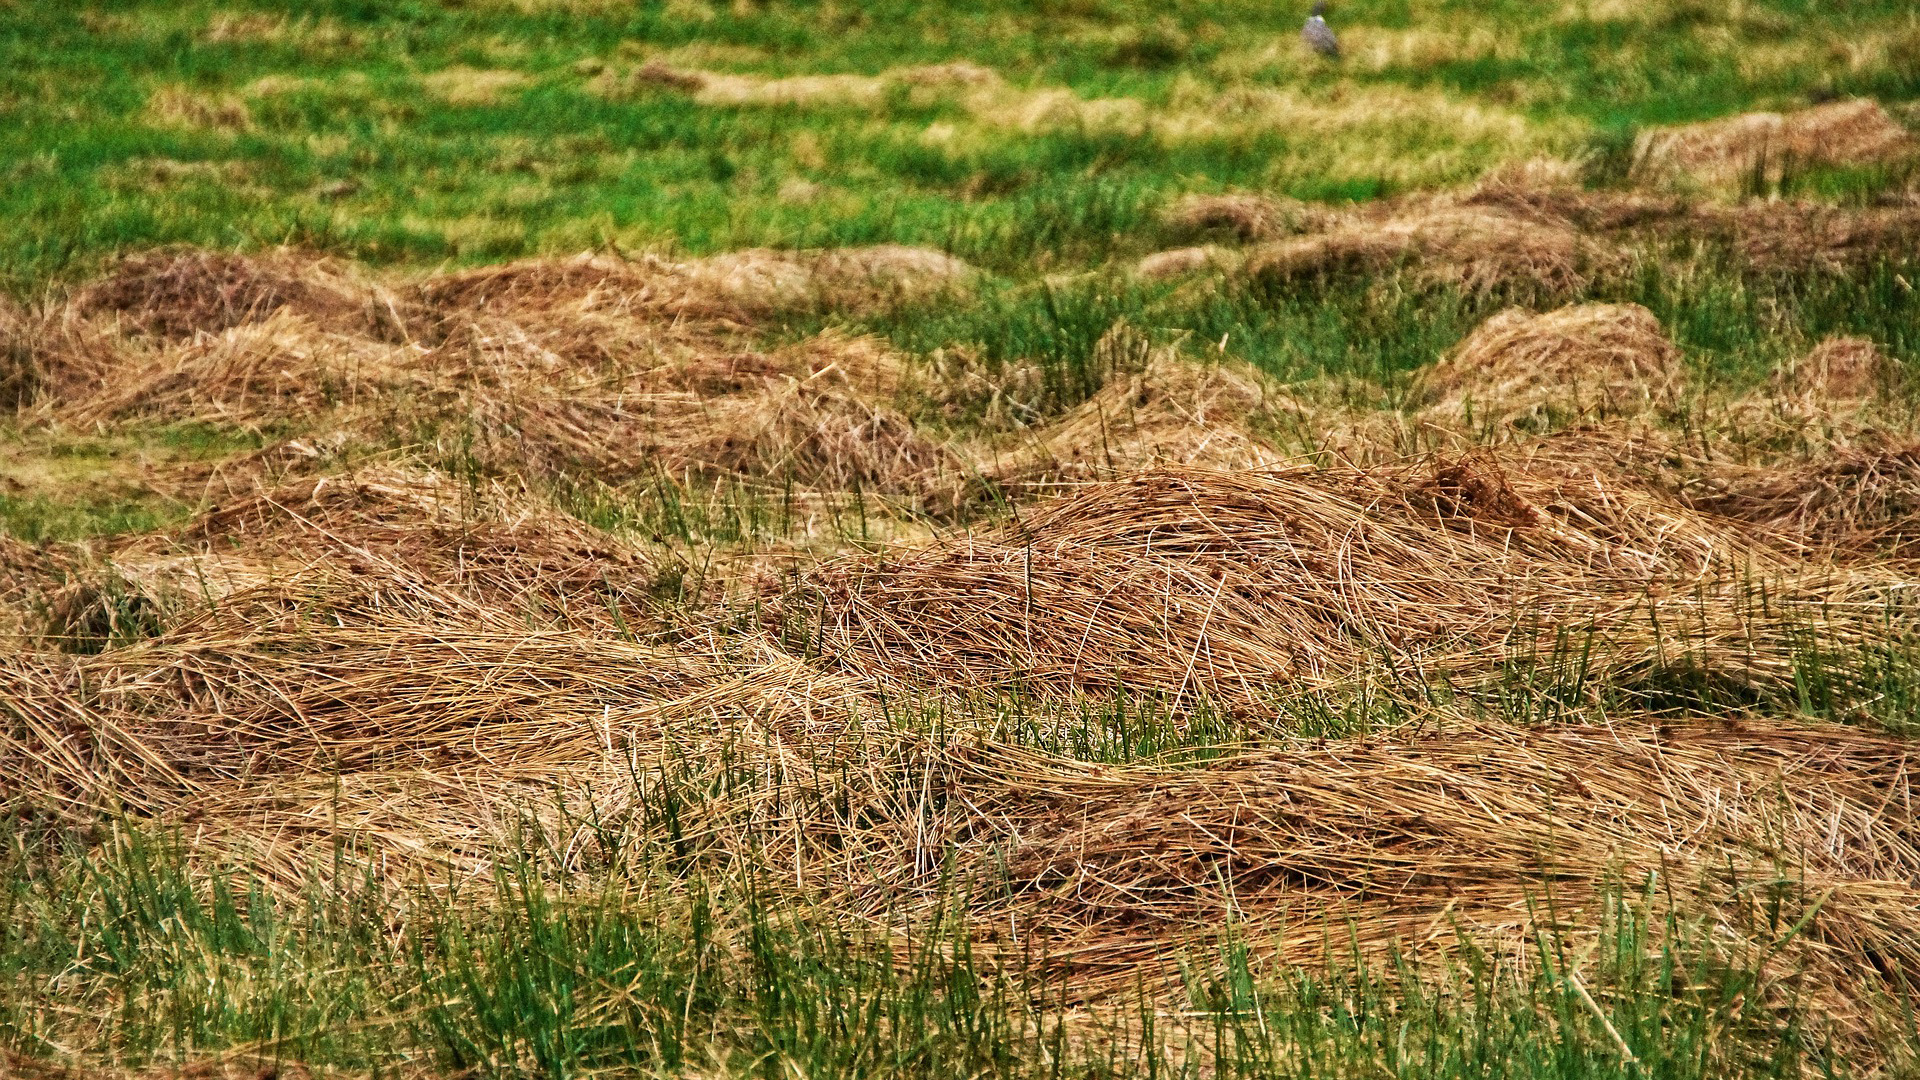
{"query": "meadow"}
[(1055, 538)]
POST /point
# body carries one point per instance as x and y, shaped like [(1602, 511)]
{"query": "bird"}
[(1318, 35)]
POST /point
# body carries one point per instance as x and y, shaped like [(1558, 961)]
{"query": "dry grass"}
[(1861, 504), (1722, 154), (1174, 411), (178, 294), (1474, 247), (179, 107), (1587, 360), (1230, 588), (1838, 370), (393, 665), (461, 85), (1249, 217)]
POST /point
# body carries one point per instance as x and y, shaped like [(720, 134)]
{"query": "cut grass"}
[(522, 748), (122, 953)]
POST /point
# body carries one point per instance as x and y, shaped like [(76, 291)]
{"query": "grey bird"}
[(1318, 35)]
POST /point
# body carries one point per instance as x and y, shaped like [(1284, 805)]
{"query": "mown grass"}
[(317, 125), (118, 951)]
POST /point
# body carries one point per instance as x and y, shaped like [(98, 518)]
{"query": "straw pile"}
[(1839, 370), (1175, 411), (1247, 217), (1588, 360), (1725, 153), (1858, 504), (180, 293), (1477, 248), (1231, 588), (625, 368)]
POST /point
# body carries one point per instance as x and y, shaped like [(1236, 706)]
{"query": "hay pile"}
[(180, 293), (1859, 504), (627, 368), (1175, 411), (1837, 371), (1235, 588), (1247, 217), (1592, 360), (1727, 153), (1477, 248)]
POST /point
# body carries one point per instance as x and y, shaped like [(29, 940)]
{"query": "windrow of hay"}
[(1591, 359), (624, 367), (1725, 153), (1191, 586), (1861, 503), (1249, 217), (1176, 411), (1477, 248), (181, 293), (1838, 370), (420, 746)]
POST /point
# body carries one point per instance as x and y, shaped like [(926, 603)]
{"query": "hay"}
[(255, 374), (1589, 360), (1180, 262), (1185, 585), (1418, 843), (461, 85), (1477, 248), (179, 107), (1727, 153), (1859, 504), (1176, 411), (179, 293), (761, 282), (1837, 370), (1248, 217)]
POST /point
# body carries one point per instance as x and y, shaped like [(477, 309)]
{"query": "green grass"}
[(119, 951), (358, 159)]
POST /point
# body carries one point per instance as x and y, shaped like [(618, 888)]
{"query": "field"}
[(1048, 538)]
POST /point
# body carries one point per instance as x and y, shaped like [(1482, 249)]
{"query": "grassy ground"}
[(651, 666), (424, 133)]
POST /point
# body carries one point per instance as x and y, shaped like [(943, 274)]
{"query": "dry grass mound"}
[(1478, 248), (1725, 153), (1248, 217), (1837, 370), (1858, 504), (256, 373), (1423, 841), (1590, 359), (1798, 235), (1177, 411), (1187, 585), (821, 414), (618, 367), (844, 279), (1179, 262), (176, 294), (381, 544)]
